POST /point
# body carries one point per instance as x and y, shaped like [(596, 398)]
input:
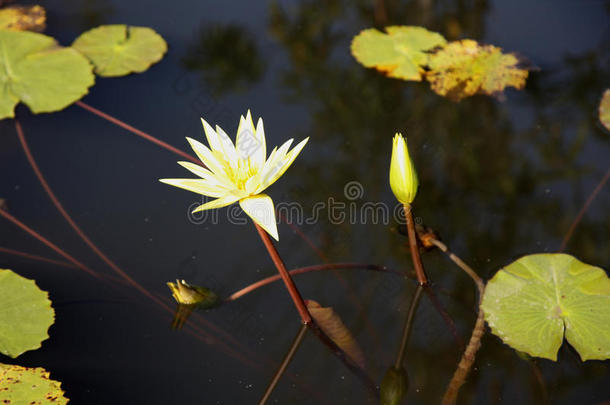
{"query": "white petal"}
[(253, 183), (197, 170), (207, 157), (246, 142), (227, 147), (218, 203), (281, 166), (207, 175), (259, 155), (212, 136), (260, 209), (198, 186), (275, 157)]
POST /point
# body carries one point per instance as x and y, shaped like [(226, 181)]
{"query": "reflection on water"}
[(497, 180), (226, 58)]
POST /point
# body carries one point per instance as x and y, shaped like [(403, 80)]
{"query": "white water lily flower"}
[(238, 172)]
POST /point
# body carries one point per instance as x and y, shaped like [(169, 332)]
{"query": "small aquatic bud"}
[(403, 178), (393, 386)]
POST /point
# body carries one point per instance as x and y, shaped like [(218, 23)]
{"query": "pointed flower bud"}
[(403, 178), (393, 386)]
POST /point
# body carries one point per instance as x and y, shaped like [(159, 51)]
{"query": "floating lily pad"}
[(533, 302), (25, 314), (117, 50), (604, 109), (464, 68), (330, 322), (401, 53), (34, 69), (23, 385), (23, 18)]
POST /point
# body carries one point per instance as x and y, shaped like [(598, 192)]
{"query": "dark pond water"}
[(498, 180)]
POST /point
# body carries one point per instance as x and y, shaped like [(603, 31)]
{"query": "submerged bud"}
[(393, 386), (403, 178), (187, 294)]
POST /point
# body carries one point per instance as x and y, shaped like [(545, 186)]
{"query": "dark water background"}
[(498, 180)]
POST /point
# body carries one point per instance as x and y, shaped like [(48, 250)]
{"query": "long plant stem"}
[(287, 358), (48, 243), (321, 267), (583, 210), (406, 332), (469, 355), (136, 131), (306, 317), (68, 218), (445, 315), (417, 263), (36, 257), (281, 268)]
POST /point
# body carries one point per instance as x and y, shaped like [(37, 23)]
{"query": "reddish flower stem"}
[(45, 241), (281, 268), (68, 218), (321, 267), (36, 257), (415, 257), (583, 210), (136, 131)]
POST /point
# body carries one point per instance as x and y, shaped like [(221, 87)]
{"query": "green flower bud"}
[(403, 178), (393, 386)]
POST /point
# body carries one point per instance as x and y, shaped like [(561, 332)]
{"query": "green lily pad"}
[(533, 302), (23, 385), (401, 53), (25, 314), (604, 109), (34, 69), (464, 68), (117, 50)]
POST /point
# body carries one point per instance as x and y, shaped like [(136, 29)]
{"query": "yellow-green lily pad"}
[(23, 18), (34, 69), (534, 302), (25, 314), (117, 50), (604, 109), (402, 53), (464, 68), (23, 385)]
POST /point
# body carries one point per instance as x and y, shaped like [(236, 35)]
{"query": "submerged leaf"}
[(25, 314), (401, 53), (331, 324), (464, 68), (23, 18), (117, 50), (604, 109), (34, 69), (24, 385), (531, 302)]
